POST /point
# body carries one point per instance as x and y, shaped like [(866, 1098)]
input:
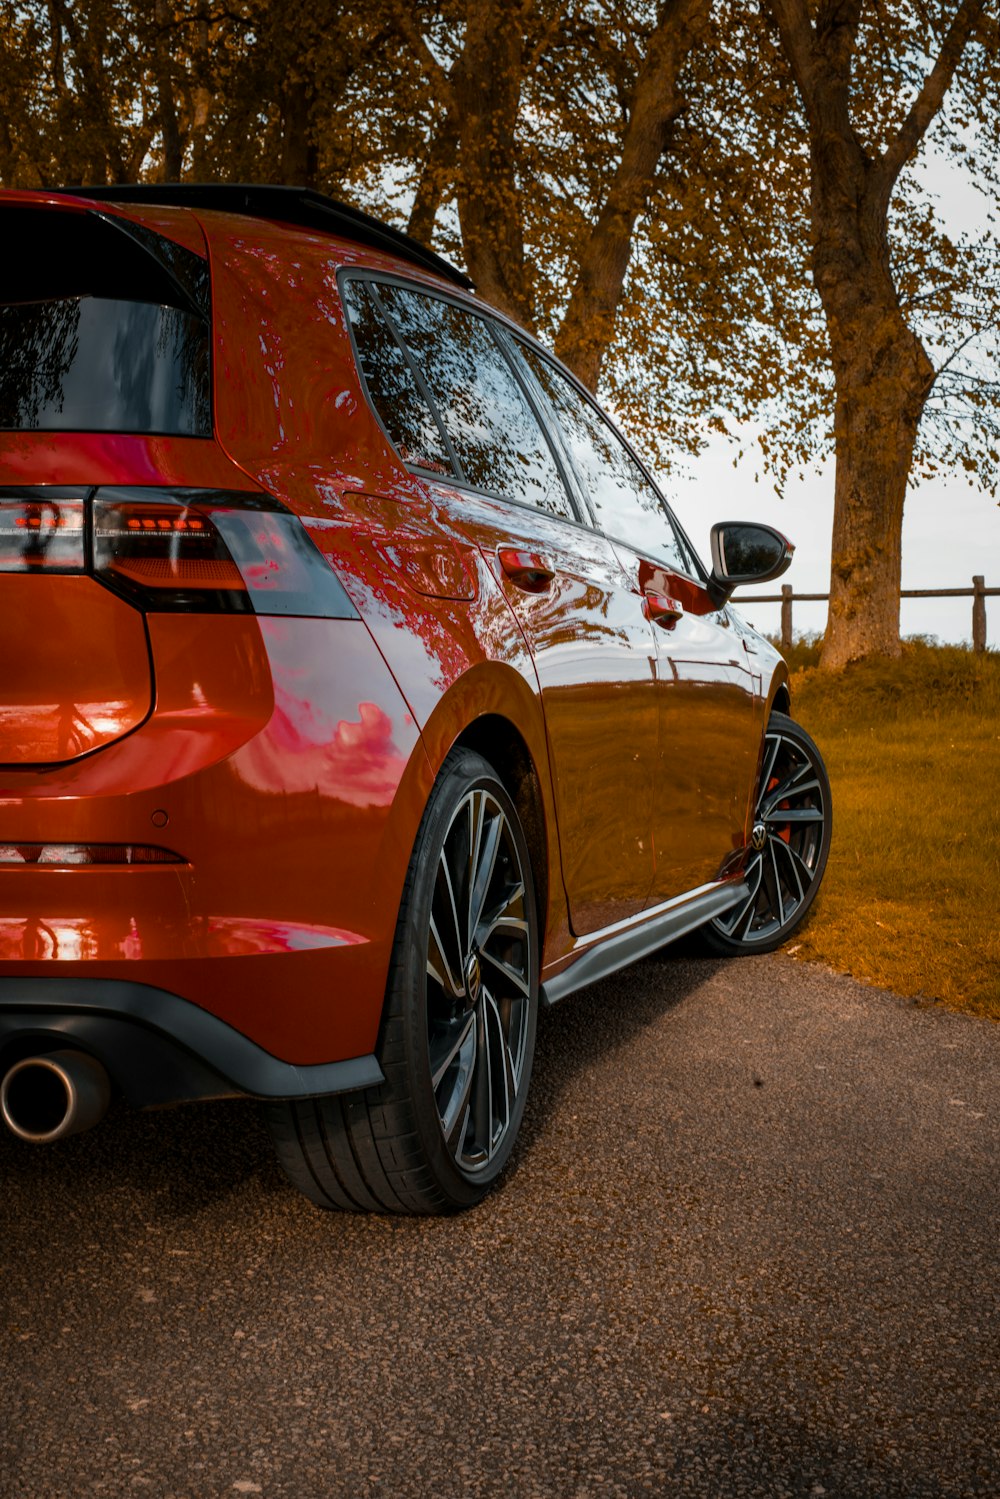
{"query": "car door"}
[(594, 651), (708, 691)]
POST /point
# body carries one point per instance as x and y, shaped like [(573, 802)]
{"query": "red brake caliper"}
[(786, 832)]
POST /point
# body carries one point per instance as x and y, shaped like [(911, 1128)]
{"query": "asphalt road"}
[(748, 1246)]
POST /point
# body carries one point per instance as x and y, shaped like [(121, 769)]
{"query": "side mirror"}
[(744, 552)]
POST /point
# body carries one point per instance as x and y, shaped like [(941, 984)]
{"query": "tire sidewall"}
[(464, 771)]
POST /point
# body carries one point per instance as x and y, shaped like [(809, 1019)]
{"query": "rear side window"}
[(101, 329), (493, 430), (447, 397), (399, 403)]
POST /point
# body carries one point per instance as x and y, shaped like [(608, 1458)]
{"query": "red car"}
[(360, 692)]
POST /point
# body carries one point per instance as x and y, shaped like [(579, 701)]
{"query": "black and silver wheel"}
[(789, 844), (458, 1030)]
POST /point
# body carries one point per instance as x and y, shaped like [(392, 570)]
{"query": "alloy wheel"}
[(478, 982), (789, 841)]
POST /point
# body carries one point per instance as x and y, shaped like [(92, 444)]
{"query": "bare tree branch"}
[(930, 98)]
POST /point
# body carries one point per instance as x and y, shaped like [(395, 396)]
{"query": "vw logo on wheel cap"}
[(473, 976), (758, 837)]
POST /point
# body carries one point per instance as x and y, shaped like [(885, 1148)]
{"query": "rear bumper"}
[(282, 767), (157, 1047)]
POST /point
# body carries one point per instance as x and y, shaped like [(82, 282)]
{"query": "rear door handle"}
[(661, 608), (527, 570)]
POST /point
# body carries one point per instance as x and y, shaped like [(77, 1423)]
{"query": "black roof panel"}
[(293, 205)]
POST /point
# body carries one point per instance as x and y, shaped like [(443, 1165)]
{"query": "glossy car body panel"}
[(594, 656), (288, 762), (283, 797), (709, 732), (90, 650), (117, 458)]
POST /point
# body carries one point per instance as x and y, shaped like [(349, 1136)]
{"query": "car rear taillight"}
[(42, 530), (164, 553), (200, 551)]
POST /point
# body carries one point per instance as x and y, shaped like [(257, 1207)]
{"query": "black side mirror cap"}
[(746, 552)]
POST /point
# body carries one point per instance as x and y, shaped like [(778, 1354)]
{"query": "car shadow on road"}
[(183, 1160), (589, 1027), (179, 1159)]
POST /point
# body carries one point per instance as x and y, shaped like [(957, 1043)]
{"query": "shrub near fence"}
[(978, 593)]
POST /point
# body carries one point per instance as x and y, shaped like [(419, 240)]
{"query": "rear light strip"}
[(42, 530), (198, 551), (49, 854)]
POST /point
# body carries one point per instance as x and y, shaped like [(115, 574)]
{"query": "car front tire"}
[(790, 842)]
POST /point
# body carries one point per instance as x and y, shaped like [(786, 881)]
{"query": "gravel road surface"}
[(748, 1246)]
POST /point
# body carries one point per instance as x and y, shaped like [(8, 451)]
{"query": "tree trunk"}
[(488, 93), (202, 99), (173, 145), (299, 163), (588, 328), (882, 372), (482, 97), (882, 376), (436, 176)]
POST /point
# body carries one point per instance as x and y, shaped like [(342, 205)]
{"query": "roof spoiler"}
[(291, 205)]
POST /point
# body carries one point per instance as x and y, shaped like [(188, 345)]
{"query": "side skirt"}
[(603, 953)]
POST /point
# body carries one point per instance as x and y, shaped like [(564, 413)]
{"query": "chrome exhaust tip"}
[(48, 1097)]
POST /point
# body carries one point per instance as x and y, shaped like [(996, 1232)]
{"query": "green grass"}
[(911, 898)]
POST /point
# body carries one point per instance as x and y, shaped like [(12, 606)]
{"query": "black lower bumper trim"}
[(159, 1048)]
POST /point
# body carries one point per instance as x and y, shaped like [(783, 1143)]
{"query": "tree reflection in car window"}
[(625, 502), (486, 415), (100, 364), (398, 401)]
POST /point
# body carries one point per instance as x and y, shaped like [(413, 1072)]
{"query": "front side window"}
[(96, 333), (485, 413), (626, 504)]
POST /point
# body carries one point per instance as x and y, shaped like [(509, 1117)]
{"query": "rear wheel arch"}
[(502, 745), (457, 1038), (495, 710)]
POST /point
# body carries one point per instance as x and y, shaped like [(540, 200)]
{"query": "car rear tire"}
[(791, 840), (458, 1029)]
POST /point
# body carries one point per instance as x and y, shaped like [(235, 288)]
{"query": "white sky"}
[(950, 532)]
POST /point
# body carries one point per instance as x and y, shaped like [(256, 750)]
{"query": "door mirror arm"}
[(719, 591)]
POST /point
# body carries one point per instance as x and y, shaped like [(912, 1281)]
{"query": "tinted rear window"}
[(101, 330)]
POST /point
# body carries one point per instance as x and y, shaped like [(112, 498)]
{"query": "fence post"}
[(979, 613), (786, 617)]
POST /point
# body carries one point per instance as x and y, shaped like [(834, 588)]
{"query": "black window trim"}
[(457, 480), (139, 234)]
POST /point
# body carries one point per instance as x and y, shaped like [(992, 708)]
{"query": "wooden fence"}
[(978, 593)]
